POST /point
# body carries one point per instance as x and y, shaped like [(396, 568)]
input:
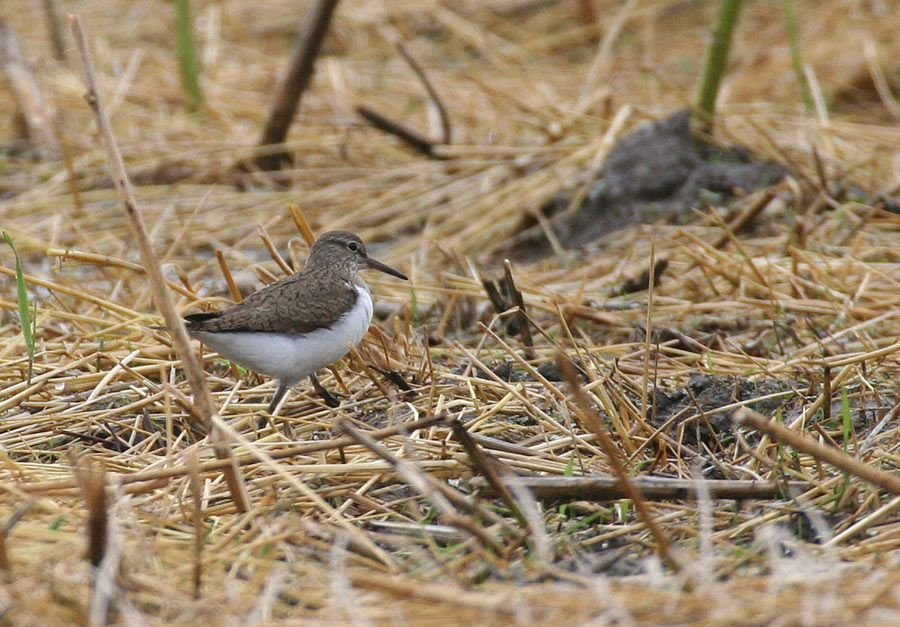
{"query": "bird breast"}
[(291, 357)]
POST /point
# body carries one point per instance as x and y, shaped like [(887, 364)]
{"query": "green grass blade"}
[(790, 18), (24, 309), (846, 418), (570, 467), (187, 54), (716, 63)]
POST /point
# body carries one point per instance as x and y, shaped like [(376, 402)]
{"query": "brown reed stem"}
[(7, 526), (424, 485), (197, 506), (595, 424), (489, 466), (28, 96), (408, 136), (884, 480), (195, 375), (54, 29), (294, 83), (446, 130), (594, 488), (40, 487), (516, 295), (302, 224), (226, 274)]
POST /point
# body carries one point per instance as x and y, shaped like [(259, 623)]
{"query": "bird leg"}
[(329, 399), (280, 391)]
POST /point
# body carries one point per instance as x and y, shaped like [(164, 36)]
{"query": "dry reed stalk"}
[(305, 490), (535, 411), (648, 335), (592, 420), (601, 59), (107, 260), (273, 252), (8, 524), (229, 279), (493, 470), (197, 511), (828, 254), (74, 291), (54, 29), (294, 83), (655, 488), (242, 460), (805, 444), (424, 485), (94, 491), (369, 370), (174, 322), (31, 104), (879, 79), (407, 135), (301, 223), (519, 302), (418, 70)]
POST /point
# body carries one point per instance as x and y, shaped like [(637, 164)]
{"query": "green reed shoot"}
[(716, 63), (187, 54), (790, 18), (24, 308)]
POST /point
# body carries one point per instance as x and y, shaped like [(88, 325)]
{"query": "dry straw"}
[(396, 522)]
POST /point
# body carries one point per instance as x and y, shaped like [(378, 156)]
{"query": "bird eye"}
[(353, 247)]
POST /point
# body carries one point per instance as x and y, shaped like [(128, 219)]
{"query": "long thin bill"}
[(377, 265)]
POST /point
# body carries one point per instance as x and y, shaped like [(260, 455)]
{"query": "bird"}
[(290, 329)]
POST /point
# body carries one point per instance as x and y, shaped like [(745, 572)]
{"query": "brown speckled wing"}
[(297, 304)]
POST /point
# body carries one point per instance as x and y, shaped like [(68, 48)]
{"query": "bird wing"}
[(297, 304)]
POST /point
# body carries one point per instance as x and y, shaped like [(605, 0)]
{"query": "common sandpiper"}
[(290, 329)]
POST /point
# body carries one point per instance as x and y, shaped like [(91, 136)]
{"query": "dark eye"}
[(353, 247)]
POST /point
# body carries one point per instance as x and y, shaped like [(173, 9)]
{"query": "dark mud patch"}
[(548, 370), (659, 171), (691, 415), (705, 394)]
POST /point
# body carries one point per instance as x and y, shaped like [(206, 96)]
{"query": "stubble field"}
[(782, 300)]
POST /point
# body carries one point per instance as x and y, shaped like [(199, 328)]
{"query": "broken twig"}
[(294, 83), (408, 136), (652, 488), (446, 131)]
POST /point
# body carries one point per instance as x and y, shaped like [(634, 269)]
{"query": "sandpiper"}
[(290, 329)]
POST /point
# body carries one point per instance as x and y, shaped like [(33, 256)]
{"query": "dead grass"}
[(341, 534)]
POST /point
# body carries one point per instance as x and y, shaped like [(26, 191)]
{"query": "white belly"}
[(290, 357)]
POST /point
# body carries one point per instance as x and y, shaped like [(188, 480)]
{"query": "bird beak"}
[(377, 265)]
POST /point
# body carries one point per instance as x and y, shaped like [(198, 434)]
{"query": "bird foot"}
[(330, 399)]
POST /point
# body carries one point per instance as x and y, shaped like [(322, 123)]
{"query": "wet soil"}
[(659, 171), (704, 394)]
